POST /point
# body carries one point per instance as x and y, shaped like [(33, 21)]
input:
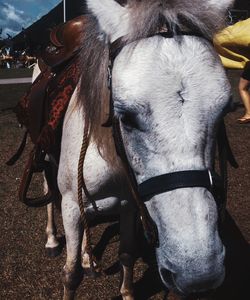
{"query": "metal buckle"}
[(109, 76), (210, 178)]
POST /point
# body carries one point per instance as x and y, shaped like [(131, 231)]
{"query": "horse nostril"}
[(166, 274), (200, 284)]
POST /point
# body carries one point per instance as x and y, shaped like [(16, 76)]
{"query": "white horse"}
[(168, 95)]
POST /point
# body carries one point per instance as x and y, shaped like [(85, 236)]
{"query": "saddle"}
[(65, 41), (41, 110)]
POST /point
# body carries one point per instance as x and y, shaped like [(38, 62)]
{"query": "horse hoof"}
[(127, 295), (69, 295), (88, 272), (53, 252)]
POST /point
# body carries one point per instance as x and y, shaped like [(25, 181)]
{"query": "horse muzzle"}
[(196, 276)]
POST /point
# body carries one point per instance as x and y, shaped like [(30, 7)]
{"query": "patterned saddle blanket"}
[(41, 110)]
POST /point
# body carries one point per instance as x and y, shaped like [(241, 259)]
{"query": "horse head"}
[(168, 98), (169, 94)]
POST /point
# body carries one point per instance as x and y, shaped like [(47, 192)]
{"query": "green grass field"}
[(15, 73)]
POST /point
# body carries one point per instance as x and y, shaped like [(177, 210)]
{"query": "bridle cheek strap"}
[(176, 180)]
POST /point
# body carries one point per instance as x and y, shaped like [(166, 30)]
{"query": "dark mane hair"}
[(93, 94)]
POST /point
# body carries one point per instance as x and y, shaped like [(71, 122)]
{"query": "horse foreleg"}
[(53, 247), (127, 252), (88, 271), (126, 289), (72, 272)]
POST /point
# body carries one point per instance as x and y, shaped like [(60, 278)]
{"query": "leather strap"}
[(176, 180), (34, 165), (224, 145), (225, 155), (19, 151)]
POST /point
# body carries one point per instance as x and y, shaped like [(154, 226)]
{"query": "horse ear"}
[(112, 16)]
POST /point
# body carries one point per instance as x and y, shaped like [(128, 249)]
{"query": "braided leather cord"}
[(81, 183)]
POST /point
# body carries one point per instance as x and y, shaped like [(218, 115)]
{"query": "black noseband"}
[(176, 180)]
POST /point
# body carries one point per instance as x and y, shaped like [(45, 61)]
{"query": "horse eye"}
[(129, 120)]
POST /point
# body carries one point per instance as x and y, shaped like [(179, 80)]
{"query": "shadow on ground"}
[(236, 285)]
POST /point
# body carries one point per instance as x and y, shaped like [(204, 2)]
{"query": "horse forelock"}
[(204, 16), (140, 19), (137, 19)]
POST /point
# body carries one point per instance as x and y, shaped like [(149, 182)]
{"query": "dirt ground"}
[(27, 273), (15, 73)]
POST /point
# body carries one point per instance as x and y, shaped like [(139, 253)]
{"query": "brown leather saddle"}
[(42, 108), (65, 41)]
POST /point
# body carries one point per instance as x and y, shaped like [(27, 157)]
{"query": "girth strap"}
[(176, 180), (19, 151)]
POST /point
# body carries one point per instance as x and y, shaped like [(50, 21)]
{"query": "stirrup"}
[(31, 168)]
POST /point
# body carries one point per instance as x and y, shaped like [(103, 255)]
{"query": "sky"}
[(15, 14)]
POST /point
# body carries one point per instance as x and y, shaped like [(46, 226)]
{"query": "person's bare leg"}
[(244, 85)]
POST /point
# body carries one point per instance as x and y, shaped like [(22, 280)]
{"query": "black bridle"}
[(209, 179)]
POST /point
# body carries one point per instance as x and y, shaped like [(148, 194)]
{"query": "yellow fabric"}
[(233, 45)]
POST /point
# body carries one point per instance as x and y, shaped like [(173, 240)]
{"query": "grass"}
[(10, 95), (15, 73)]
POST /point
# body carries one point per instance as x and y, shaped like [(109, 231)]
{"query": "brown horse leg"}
[(52, 247), (72, 278), (128, 231), (127, 265), (88, 271), (72, 272)]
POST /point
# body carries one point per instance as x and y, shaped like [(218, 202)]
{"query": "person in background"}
[(244, 86)]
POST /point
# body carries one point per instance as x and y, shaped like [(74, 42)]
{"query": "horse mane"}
[(204, 16), (144, 18), (93, 93)]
